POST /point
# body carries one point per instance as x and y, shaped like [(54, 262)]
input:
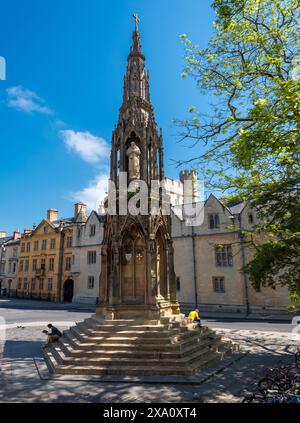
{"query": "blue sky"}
[(65, 65)]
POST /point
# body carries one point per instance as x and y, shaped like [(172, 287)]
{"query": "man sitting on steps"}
[(53, 336), (194, 316)]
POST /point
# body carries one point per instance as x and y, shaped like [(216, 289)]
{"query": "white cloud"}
[(90, 148), (94, 193), (26, 101)]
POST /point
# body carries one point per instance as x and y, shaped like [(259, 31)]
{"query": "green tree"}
[(250, 135)]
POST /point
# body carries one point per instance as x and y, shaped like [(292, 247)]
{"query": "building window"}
[(46, 229), (14, 267), (41, 285), (36, 246), (43, 264), (91, 282), (178, 283), (91, 257), (69, 242), (21, 265), (73, 259), (92, 230), (33, 283), (23, 247), (26, 265), (218, 284), (78, 233), (50, 284), (25, 284), (250, 218), (223, 256), (20, 283), (51, 264), (44, 244), (34, 265), (68, 263), (9, 267), (15, 252), (52, 244), (28, 247), (214, 221)]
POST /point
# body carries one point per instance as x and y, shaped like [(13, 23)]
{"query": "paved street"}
[(262, 343), (24, 311)]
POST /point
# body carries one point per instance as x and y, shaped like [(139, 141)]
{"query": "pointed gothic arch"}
[(133, 266), (161, 260)]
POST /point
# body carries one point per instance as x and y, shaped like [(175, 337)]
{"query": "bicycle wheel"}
[(266, 384), (297, 360), (254, 399)]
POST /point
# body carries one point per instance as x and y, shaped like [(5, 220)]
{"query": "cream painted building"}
[(9, 257), (209, 259), (86, 259)]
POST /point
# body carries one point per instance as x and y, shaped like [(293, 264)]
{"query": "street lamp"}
[(244, 259), (2, 251)]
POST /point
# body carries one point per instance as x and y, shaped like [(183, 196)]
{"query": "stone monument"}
[(138, 329)]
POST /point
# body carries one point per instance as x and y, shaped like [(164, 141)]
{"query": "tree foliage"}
[(249, 137)]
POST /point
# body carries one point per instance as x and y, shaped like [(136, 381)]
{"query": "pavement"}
[(24, 376)]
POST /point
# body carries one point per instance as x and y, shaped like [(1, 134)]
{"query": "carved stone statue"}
[(133, 153)]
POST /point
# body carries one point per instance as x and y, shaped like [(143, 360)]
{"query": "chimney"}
[(52, 215), (27, 231), (2, 234), (80, 212), (16, 235)]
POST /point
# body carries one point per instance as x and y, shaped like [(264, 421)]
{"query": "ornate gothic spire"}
[(136, 81), (136, 39)]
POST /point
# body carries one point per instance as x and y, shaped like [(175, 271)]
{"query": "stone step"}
[(128, 332), (123, 322), (68, 350), (111, 326), (137, 370), (115, 337), (112, 362), (129, 348), (85, 342)]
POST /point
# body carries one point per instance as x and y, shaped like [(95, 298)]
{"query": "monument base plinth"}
[(135, 311), (137, 347)]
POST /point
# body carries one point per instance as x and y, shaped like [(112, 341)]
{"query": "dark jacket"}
[(55, 331)]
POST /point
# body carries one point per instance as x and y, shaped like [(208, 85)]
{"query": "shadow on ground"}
[(22, 349), (228, 386)]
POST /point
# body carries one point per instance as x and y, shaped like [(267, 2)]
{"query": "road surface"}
[(22, 312)]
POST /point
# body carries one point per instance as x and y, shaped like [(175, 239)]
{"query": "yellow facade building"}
[(44, 270)]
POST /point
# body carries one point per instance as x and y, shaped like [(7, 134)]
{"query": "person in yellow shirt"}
[(194, 316)]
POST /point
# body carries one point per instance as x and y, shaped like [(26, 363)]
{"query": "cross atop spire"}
[(137, 20), (136, 42)]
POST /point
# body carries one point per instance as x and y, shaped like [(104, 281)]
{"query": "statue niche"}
[(133, 268), (133, 154)]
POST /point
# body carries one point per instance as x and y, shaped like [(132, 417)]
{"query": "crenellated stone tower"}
[(138, 277)]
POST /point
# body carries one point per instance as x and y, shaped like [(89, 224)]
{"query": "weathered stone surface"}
[(136, 348)]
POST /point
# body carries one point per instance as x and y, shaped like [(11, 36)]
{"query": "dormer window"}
[(214, 221), (250, 218), (92, 230), (45, 229)]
